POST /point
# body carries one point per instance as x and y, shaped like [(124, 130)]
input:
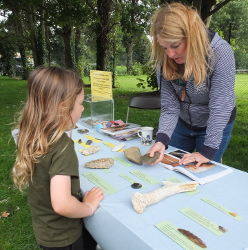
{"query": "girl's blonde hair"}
[(52, 92), (173, 23)]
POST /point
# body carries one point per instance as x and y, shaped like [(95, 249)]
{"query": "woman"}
[(196, 73)]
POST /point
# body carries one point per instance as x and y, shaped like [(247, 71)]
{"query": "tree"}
[(206, 8), (66, 19), (233, 28), (135, 16)]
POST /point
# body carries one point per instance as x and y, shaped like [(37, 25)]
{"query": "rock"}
[(90, 150), (149, 160), (100, 163), (133, 154)]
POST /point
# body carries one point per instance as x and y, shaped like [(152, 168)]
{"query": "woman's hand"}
[(194, 157), (157, 147)]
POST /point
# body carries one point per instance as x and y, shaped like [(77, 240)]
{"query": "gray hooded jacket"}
[(210, 105)]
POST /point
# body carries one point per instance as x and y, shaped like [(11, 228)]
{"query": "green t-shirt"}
[(50, 228)]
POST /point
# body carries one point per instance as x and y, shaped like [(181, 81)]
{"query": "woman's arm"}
[(221, 98)]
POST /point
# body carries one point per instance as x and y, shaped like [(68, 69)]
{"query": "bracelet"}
[(89, 205)]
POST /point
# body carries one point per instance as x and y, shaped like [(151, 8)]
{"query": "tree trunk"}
[(32, 37), (66, 34), (103, 30), (77, 44), (41, 37), (129, 50)]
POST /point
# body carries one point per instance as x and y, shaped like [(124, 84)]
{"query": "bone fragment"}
[(90, 150), (100, 163), (141, 201)]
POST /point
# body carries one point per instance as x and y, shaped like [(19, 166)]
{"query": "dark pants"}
[(84, 242), (189, 140)]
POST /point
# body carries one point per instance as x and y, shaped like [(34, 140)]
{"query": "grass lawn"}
[(16, 230)]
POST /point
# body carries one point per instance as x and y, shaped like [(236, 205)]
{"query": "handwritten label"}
[(129, 179), (222, 209), (148, 179), (211, 226), (176, 180), (171, 231), (99, 182), (123, 162)]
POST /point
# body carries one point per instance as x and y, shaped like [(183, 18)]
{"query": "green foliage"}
[(137, 69), (121, 70), (231, 23), (151, 80)]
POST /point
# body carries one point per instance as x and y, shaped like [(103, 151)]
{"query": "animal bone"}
[(141, 201), (90, 150)]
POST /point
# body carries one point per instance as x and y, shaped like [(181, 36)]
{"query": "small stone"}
[(100, 163), (88, 142), (149, 160), (136, 185), (133, 154), (83, 131)]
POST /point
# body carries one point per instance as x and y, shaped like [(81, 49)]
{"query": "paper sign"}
[(99, 182), (176, 180), (171, 231), (129, 179), (106, 171), (111, 145), (123, 162), (211, 226), (222, 209), (101, 84), (144, 177)]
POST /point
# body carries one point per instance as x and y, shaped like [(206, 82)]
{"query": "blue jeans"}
[(189, 140)]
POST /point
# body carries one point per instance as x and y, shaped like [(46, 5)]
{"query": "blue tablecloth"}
[(116, 225)]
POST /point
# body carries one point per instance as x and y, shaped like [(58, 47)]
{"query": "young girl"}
[(46, 161)]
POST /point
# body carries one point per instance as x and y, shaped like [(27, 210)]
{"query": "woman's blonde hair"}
[(173, 23), (52, 92)]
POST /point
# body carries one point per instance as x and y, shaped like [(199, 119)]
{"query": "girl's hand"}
[(94, 197), (194, 157), (157, 147)]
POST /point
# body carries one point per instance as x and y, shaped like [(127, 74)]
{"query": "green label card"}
[(123, 162), (176, 180), (129, 179), (106, 171), (222, 209), (211, 226), (148, 179), (171, 231), (99, 182)]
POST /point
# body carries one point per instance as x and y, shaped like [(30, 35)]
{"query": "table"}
[(116, 225)]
